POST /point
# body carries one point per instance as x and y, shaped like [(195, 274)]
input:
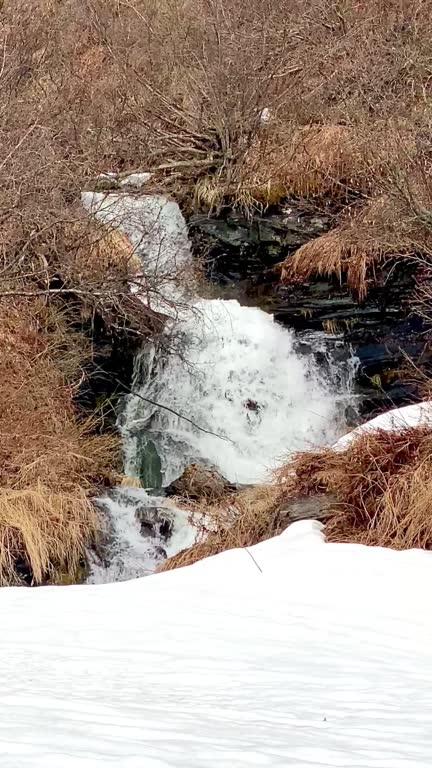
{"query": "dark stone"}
[(252, 405), (115, 341), (199, 483), (160, 552), (236, 247), (155, 522)]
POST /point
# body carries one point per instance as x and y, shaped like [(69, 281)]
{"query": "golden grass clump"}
[(310, 161), (44, 533), (334, 255), (380, 487), (241, 520), (361, 243), (50, 460)]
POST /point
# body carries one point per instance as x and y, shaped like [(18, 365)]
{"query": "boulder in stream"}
[(198, 483)]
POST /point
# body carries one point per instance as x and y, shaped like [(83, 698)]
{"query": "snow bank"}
[(322, 658), (419, 414)]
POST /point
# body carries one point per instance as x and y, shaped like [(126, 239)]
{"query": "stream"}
[(240, 392)]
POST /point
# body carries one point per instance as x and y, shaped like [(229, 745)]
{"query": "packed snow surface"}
[(321, 657), (416, 415)]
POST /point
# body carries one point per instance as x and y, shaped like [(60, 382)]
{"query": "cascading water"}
[(243, 380), (239, 396)]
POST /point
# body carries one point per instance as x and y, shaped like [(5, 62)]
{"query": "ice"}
[(137, 180), (156, 229), (322, 660)]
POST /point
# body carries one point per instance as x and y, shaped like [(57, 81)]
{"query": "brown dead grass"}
[(367, 236), (311, 161), (44, 533), (380, 486), (377, 492), (50, 460), (241, 521), (92, 251)]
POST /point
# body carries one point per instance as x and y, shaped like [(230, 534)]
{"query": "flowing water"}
[(240, 395)]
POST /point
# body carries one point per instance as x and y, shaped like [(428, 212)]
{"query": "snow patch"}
[(416, 415), (137, 180)]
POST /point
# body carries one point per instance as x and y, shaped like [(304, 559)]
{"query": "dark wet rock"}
[(198, 483), (107, 375), (155, 522), (236, 247), (158, 554), (252, 405)]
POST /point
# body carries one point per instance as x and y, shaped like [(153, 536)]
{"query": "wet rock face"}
[(381, 332), (306, 508), (235, 247), (155, 523)]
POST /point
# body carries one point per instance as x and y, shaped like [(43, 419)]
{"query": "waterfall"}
[(239, 395), (252, 395)]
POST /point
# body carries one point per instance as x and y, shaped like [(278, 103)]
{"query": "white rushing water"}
[(144, 530), (240, 396), (243, 379)]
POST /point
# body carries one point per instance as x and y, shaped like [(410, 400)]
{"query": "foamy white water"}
[(243, 380), (131, 553)]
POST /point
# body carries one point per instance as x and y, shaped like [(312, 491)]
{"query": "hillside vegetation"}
[(224, 102)]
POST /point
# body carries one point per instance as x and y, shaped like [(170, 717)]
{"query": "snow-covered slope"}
[(416, 415), (320, 657)]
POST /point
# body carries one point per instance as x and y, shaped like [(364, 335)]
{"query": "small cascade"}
[(143, 530)]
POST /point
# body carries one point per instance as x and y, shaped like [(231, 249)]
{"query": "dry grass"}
[(309, 162), (44, 533), (241, 521), (366, 238), (92, 252), (50, 460), (381, 486), (376, 492)]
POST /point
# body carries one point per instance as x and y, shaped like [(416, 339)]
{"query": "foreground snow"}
[(321, 658)]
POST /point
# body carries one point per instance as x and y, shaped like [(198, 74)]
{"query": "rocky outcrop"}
[(237, 247), (115, 340), (381, 331), (305, 508)]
